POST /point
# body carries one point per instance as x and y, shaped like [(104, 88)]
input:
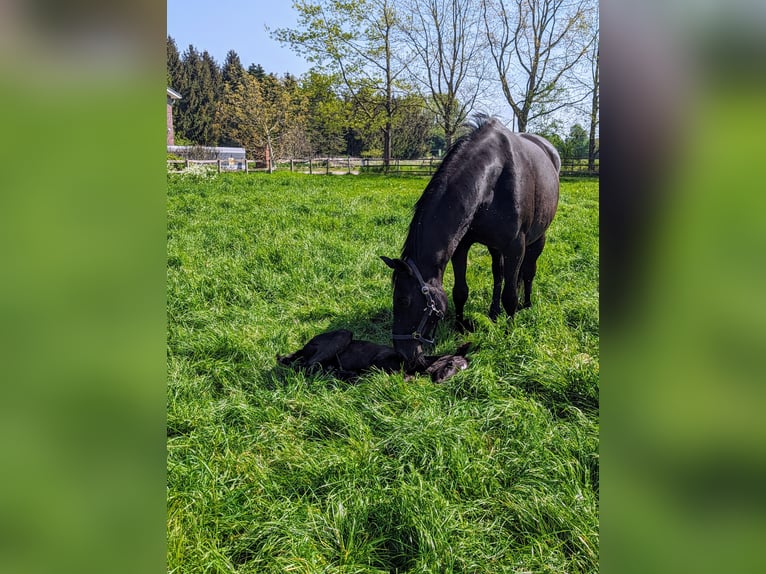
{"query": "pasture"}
[(272, 470)]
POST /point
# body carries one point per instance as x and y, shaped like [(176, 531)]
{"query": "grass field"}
[(270, 470)]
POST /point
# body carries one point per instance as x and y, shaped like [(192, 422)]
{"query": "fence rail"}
[(425, 167)]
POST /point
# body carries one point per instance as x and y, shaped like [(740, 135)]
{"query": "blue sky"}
[(223, 25)]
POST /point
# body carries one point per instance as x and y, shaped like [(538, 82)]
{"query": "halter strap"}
[(429, 310)]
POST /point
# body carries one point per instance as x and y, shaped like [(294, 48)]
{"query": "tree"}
[(354, 40), (173, 66), (576, 144), (594, 110), (232, 72), (446, 38), (257, 113), (257, 71), (326, 114), (200, 88), (413, 124), (534, 45)]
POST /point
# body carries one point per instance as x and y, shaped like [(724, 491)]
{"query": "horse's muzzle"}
[(412, 353)]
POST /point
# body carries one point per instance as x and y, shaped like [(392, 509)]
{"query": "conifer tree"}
[(173, 64), (232, 72)]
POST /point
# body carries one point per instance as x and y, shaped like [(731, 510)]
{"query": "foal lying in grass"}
[(338, 353)]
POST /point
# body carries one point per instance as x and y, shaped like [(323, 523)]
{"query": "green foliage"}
[(272, 470), (173, 65), (200, 86), (576, 143)]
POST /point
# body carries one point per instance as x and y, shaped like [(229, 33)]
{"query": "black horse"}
[(494, 187)]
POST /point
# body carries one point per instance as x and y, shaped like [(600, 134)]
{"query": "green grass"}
[(271, 470)]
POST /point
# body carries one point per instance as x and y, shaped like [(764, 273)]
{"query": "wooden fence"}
[(354, 165)]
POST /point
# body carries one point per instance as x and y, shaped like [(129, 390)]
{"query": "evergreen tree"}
[(184, 108), (199, 86), (257, 71), (173, 66), (213, 92), (232, 72)]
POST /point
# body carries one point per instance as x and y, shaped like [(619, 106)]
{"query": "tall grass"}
[(271, 470)]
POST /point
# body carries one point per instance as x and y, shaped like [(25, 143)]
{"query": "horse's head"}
[(418, 306)]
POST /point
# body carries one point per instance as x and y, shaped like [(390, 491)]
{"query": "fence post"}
[(186, 163), (219, 166), (291, 164), (311, 166), (348, 159)]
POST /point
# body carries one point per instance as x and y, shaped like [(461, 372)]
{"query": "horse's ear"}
[(388, 261), (397, 265)]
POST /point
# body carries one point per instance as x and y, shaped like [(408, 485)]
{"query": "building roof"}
[(173, 94)]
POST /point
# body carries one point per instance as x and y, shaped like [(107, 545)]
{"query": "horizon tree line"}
[(388, 86)]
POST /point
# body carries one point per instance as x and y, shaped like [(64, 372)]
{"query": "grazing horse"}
[(494, 187)]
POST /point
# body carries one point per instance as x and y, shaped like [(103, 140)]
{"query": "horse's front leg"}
[(460, 289), (497, 277)]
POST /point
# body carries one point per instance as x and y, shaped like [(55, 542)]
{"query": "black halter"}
[(429, 310)]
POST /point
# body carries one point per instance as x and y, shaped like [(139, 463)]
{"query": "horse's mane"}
[(442, 174)]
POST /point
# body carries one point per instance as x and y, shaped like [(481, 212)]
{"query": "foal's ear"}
[(397, 264)]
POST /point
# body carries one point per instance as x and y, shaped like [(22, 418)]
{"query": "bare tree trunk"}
[(389, 104), (593, 118)]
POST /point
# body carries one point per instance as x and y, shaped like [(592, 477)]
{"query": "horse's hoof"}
[(465, 326)]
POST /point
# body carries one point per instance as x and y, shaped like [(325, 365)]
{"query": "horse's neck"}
[(439, 236)]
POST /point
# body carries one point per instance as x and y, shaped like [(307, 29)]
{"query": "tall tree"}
[(232, 75), (215, 89), (447, 40), (534, 44), (173, 66), (576, 144), (355, 40), (199, 88), (414, 121), (257, 71), (257, 113), (594, 109), (326, 114), (232, 71)]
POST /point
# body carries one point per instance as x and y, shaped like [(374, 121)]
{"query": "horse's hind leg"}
[(497, 276), (512, 259), (460, 289), (529, 269)]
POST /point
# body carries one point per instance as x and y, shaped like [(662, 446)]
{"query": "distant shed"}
[(232, 158)]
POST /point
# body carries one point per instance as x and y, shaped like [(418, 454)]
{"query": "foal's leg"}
[(497, 276), (529, 268), (513, 256), (460, 289)]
